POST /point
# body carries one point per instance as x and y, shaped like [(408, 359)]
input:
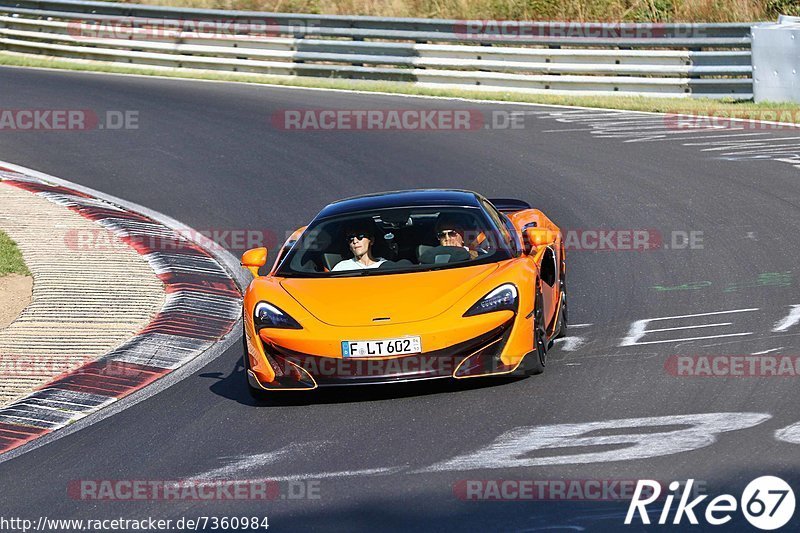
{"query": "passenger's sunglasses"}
[(447, 234), (359, 236)]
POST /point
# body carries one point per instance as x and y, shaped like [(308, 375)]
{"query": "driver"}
[(450, 232), (360, 241)]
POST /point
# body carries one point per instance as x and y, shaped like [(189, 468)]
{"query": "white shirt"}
[(352, 264)]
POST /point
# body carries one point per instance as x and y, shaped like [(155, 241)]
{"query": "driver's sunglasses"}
[(447, 234), (359, 236)]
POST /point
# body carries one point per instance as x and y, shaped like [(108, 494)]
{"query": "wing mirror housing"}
[(536, 237), (254, 259)]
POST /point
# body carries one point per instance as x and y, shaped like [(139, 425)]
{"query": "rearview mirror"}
[(536, 237), (254, 259)]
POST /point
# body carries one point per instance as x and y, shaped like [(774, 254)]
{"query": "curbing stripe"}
[(200, 302), (85, 301), (150, 350), (202, 306), (111, 379)]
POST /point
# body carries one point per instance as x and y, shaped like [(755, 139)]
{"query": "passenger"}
[(360, 242)]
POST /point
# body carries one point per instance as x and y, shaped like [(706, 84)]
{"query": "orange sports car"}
[(406, 285)]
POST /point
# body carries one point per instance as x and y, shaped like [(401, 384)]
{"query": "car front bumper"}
[(478, 356)]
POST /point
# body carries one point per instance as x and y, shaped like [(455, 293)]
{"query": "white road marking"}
[(753, 134), (516, 448), (580, 325), (553, 528), (764, 144), (790, 320), (570, 344), (770, 140), (767, 351), (646, 136), (639, 329), (718, 136), (690, 327), (696, 338), (752, 149), (791, 160), (760, 152), (636, 332), (567, 130), (647, 125), (790, 434)]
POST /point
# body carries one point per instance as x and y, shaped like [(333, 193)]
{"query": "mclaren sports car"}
[(402, 286)]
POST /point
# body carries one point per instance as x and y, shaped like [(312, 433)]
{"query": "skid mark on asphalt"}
[(385, 471), (247, 463)]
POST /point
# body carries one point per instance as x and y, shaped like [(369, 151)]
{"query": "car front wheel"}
[(536, 360)]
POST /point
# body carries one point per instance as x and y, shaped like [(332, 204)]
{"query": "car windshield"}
[(395, 240)]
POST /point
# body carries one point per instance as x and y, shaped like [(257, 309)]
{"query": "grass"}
[(572, 10), (11, 261), (782, 112)]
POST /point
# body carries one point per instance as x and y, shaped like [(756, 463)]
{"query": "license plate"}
[(381, 348)]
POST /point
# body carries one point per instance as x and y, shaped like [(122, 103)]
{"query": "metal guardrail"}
[(701, 60)]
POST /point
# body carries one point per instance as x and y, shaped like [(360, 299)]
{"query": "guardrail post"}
[(776, 61)]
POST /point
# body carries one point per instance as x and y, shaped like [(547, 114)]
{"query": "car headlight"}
[(502, 298), (267, 315)]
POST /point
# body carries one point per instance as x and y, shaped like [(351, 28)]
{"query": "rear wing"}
[(509, 205)]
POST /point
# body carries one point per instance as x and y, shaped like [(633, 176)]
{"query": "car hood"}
[(385, 299)]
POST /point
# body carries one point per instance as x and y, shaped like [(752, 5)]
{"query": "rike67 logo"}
[(767, 503)]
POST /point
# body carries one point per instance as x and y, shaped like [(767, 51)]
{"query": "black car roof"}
[(410, 198)]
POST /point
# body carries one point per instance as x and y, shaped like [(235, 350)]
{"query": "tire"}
[(536, 360), (562, 314)]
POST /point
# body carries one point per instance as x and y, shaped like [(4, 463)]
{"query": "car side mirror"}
[(536, 237), (254, 259)]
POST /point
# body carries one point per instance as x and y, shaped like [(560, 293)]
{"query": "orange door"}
[(549, 274)]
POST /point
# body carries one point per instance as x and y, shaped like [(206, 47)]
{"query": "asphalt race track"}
[(394, 457)]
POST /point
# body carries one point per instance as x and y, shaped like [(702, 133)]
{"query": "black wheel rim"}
[(540, 333)]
